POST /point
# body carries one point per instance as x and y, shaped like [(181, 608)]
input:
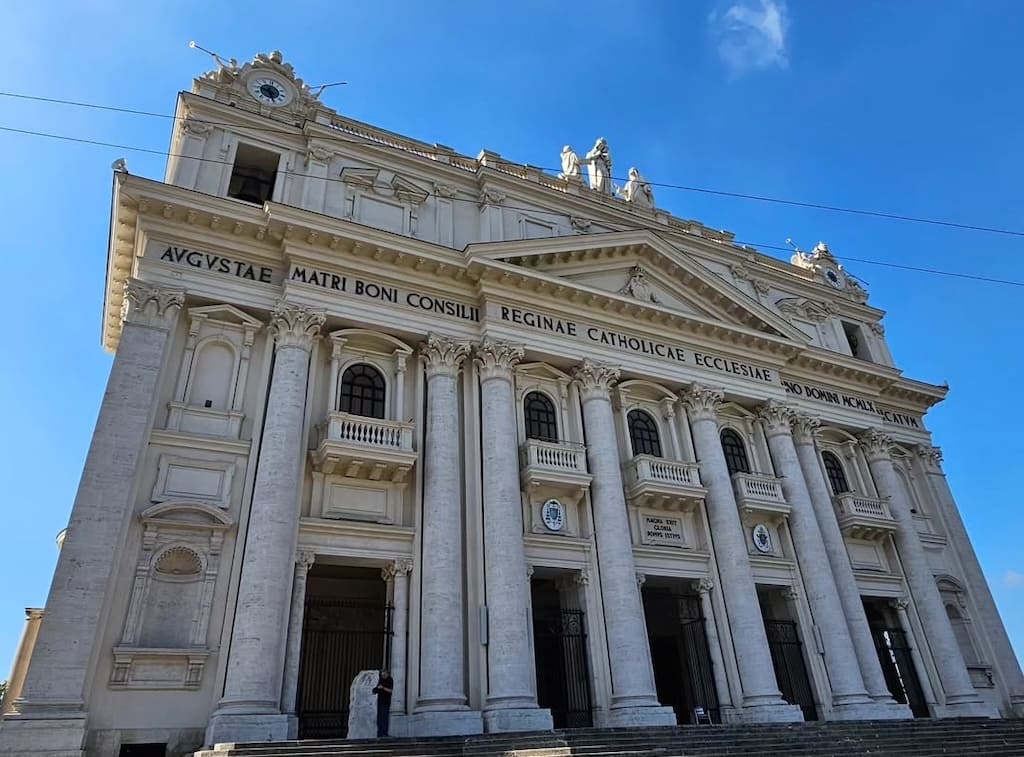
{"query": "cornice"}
[(824, 364)]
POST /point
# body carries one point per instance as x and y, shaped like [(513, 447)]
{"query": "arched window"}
[(643, 433), (962, 634), (541, 420), (836, 474), (735, 452), (362, 391)]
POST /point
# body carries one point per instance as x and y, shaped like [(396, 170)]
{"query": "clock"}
[(269, 91), (832, 277)]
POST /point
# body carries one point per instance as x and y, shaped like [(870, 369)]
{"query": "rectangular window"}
[(253, 174), (855, 338)]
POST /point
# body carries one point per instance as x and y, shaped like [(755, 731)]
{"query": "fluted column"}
[(704, 587), (845, 680), (511, 703), (804, 430), (961, 698), (442, 646), (760, 697), (634, 700), (296, 616), (397, 574), (251, 704), (59, 669), (1007, 667)]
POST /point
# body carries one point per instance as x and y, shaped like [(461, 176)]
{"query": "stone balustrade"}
[(863, 517), (756, 491), (362, 447), (656, 482)]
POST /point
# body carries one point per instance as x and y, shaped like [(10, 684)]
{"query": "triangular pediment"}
[(225, 314), (643, 267)]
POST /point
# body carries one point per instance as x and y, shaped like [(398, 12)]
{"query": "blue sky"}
[(911, 107)]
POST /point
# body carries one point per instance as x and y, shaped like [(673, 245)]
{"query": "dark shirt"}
[(384, 697)]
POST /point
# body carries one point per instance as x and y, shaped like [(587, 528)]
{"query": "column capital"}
[(582, 577), (496, 359), (396, 568), (595, 380), (931, 457), (704, 586), (790, 593), (876, 444), (149, 305), (295, 326), (641, 579), (777, 418), (701, 402), (900, 603), (443, 355), (304, 560), (805, 428)]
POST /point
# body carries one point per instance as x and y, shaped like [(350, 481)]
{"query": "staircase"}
[(918, 738)]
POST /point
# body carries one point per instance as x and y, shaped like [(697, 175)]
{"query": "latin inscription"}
[(840, 399), (657, 529), (218, 264)]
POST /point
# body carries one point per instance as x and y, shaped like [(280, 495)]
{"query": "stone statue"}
[(638, 191), (570, 165), (599, 167), (637, 286)]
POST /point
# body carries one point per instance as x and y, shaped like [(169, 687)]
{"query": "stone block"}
[(633, 717), (362, 712), (518, 719), (446, 723)]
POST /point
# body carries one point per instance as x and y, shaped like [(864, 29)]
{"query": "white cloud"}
[(751, 34), (1013, 579)]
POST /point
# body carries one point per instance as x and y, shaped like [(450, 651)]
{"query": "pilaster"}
[(303, 562)]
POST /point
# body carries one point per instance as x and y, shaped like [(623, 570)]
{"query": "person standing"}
[(383, 689)]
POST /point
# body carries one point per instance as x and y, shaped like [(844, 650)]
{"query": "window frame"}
[(835, 473), (644, 434), (733, 453), (534, 425), (375, 397)]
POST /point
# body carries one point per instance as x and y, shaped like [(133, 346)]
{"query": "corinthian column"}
[(804, 430), (511, 699), (961, 698), (70, 630), (634, 700), (849, 697), (441, 708), (397, 574), (251, 706), (761, 699), (1006, 668)]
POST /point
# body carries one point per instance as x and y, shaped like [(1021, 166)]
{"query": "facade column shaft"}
[(840, 658), (839, 560), (704, 588), (399, 573), (900, 606), (634, 700), (511, 703), (961, 698), (760, 695), (295, 620), (442, 649)]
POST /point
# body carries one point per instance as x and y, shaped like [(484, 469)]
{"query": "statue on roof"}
[(570, 165), (599, 167), (638, 191)]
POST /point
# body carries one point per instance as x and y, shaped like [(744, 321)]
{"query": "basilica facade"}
[(552, 456)]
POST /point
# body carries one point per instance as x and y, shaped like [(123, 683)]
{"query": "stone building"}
[(553, 456)]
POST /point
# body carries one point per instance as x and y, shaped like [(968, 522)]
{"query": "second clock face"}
[(269, 91)]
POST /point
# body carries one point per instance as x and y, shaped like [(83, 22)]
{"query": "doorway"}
[(683, 677), (560, 652), (895, 656), (346, 629), (787, 651)]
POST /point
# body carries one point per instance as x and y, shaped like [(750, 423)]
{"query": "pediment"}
[(644, 267), (225, 314)]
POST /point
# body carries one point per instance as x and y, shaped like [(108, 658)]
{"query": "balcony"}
[(367, 448), (757, 493), (555, 464), (863, 517), (664, 484)]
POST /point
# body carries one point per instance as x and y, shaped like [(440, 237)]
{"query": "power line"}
[(665, 185), (739, 245)]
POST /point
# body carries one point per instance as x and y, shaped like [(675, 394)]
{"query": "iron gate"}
[(894, 655), (790, 670), (563, 672), (340, 638)]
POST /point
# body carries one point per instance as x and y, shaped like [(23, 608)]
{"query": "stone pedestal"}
[(761, 699), (961, 698), (251, 706), (634, 701), (51, 717), (511, 703)]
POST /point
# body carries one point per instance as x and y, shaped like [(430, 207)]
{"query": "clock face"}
[(269, 91), (833, 278)]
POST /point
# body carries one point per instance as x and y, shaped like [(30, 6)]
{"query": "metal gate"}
[(563, 672), (897, 663), (340, 638), (790, 670)]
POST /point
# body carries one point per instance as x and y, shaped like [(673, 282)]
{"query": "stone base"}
[(518, 719), (632, 717), (33, 736), (765, 713), (229, 728), (975, 709), (871, 711), (445, 723)]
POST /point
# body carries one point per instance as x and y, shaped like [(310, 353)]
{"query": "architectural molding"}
[(595, 380), (151, 305), (442, 355), (294, 325), (495, 360), (701, 402)]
